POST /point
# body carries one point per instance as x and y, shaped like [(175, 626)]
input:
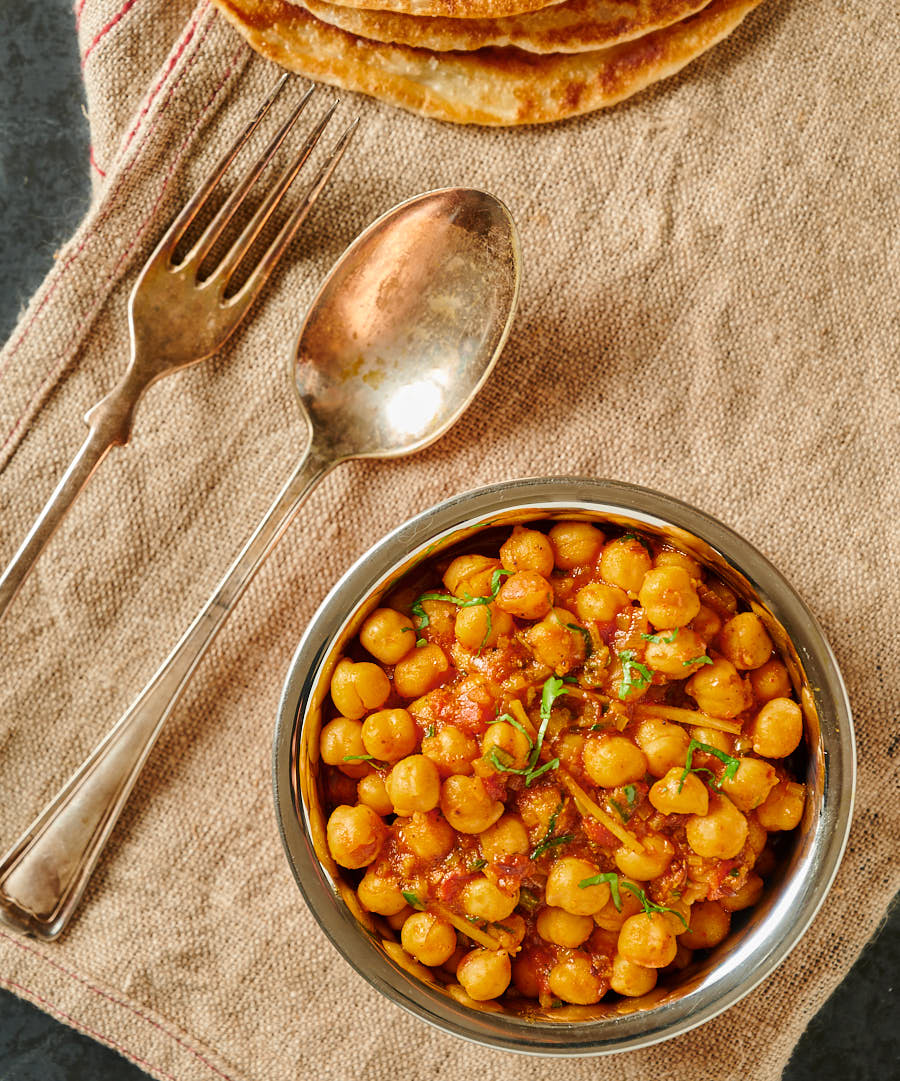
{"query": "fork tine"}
[(287, 232), (212, 232), (222, 274), (189, 211)]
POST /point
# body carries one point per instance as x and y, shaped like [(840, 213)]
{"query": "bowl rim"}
[(794, 907)]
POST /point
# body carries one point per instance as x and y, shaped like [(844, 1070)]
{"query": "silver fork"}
[(175, 317)]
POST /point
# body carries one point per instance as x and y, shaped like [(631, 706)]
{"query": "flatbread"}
[(490, 86), (571, 27), (451, 9)]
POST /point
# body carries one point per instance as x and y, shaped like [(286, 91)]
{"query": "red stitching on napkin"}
[(79, 7), (111, 276), (123, 11), (182, 45), (22, 945), (94, 162), (80, 1027)]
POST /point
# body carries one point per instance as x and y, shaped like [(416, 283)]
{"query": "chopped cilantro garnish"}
[(429, 732), (657, 638), (412, 898), (540, 849), (359, 757), (465, 601), (611, 879), (630, 794), (635, 676), (650, 906), (476, 865), (702, 659), (731, 764), (548, 840), (588, 644), (619, 809)]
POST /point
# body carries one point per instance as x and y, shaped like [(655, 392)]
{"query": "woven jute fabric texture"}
[(709, 308)]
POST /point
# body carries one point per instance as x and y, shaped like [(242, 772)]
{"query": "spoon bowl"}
[(407, 326)]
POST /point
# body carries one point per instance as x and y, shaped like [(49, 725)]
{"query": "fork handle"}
[(44, 875), (110, 424)]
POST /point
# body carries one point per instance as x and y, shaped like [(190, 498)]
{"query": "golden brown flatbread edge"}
[(493, 87), (572, 26)]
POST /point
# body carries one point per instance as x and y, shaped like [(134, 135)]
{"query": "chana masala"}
[(556, 770)]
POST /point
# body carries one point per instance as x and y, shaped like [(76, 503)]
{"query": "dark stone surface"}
[(44, 186)]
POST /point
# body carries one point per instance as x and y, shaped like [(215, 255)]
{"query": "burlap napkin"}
[(709, 309)]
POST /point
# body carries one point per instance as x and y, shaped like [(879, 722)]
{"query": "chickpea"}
[(451, 750), (679, 915), (683, 957), (467, 805), (441, 618), (421, 671), (600, 603), (388, 635), (709, 924), (672, 796), (770, 680), (568, 748), (510, 746), (358, 688), (562, 928), (624, 563), (414, 784), (706, 623), (525, 976), (777, 729), (575, 544), (484, 899), (745, 897), (427, 835), (744, 641), (340, 739), (397, 920), (712, 737), (751, 783), (720, 833), (719, 690), (563, 889), (506, 837), (756, 834), (668, 597), (630, 979), (484, 974), (482, 626), (664, 744), (471, 574), (431, 940), (539, 804), (509, 934), (573, 979), (555, 643), (783, 807), (610, 761), (372, 793), (672, 558), (527, 595), (354, 835), (648, 940), (611, 918), (380, 893), (389, 734), (650, 863), (339, 788), (527, 550), (673, 658)]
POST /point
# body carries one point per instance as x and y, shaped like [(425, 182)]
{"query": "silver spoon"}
[(404, 331)]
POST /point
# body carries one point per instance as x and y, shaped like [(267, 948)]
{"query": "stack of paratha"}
[(487, 61)]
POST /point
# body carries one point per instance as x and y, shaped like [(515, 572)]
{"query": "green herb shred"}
[(611, 879), (412, 898), (702, 659), (635, 676), (651, 906), (657, 638), (731, 764)]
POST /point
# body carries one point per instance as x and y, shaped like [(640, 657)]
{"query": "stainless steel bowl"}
[(758, 942)]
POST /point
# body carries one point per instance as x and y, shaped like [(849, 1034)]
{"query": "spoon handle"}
[(44, 875)]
